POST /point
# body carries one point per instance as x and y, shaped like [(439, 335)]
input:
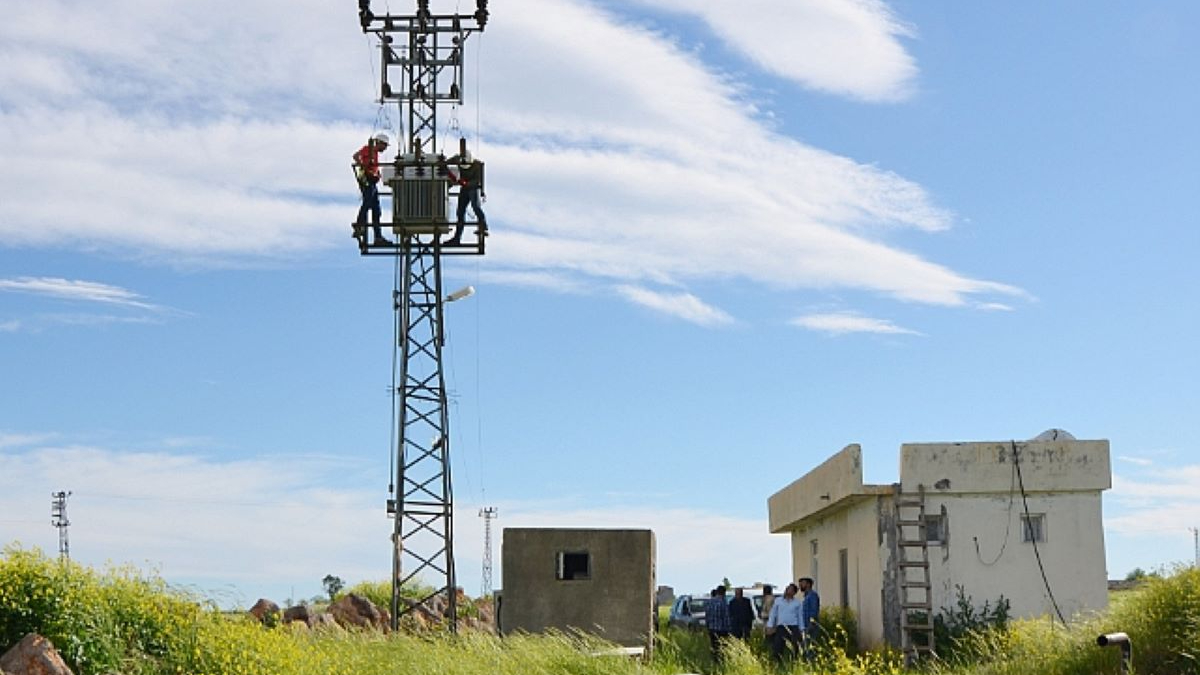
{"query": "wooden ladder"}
[(916, 595)]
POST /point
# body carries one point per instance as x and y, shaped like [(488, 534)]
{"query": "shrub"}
[(954, 624), (114, 621)]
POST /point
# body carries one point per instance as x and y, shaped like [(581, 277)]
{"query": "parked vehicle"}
[(688, 610)]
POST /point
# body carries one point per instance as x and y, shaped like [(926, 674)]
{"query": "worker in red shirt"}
[(366, 170)]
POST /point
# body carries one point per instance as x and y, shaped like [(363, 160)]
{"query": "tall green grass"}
[(123, 621)]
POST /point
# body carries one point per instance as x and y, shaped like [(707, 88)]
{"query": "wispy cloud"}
[(9, 440), (547, 281), (841, 323), (1140, 461), (844, 47), (67, 289), (10, 326), (994, 307), (1155, 500), (679, 305)]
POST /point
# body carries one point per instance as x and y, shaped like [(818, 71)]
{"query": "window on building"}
[(812, 568), (574, 565), (844, 576), (935, 530), (1033, 528)]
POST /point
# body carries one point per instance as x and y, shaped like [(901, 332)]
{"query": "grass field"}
[(120, 620)]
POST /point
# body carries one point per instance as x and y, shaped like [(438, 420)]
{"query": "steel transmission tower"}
[(487, 513), (421, 70), (58, 518)]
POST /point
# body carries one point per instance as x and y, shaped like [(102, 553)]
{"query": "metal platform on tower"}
[(420, 192), (420, 72)]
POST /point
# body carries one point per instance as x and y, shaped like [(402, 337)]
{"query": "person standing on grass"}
[(741, 615), (809, 611), (765, 613), (716, 619), (784, 623)]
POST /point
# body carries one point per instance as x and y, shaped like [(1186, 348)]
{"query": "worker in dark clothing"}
[(366, 170), (716, 620), (741, 615), (470, 191)]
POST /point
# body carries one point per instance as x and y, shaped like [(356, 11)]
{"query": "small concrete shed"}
[(600, 582)]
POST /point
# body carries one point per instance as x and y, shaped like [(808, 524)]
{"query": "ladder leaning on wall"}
[(916, 598)]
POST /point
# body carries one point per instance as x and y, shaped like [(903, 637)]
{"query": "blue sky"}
[(727, 240)]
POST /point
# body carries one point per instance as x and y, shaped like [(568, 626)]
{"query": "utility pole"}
[(58, 518), (487, 513), (421, 71), (1196, 545)]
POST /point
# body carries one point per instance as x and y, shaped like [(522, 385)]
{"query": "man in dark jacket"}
[(716, 620), (741, 615)]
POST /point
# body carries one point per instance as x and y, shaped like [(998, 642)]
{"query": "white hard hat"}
[(382, 138), (465, 157)]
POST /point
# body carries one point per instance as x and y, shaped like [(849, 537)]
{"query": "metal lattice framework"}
[(59, 519), (419, 73), (487, 513)]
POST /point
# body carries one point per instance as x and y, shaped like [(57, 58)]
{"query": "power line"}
[(1033, 539)]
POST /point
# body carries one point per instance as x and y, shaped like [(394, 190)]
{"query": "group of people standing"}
[(790, 627)]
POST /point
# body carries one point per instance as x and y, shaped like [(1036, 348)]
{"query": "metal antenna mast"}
[(487, 513), (420, 72), (58, 518)]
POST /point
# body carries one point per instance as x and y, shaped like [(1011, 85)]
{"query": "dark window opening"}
[(935, 529), (574, 565), (1033, 528)]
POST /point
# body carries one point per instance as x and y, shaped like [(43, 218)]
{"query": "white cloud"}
[(89, 291), (10, 326), (249, 522), (844, 47), (8, 440), (1140, 461), (613, 153), (680, 305), (1155, 500), (548, 281), (840, 323), (994, 307)]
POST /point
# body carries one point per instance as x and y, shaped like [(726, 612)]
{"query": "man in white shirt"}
[(785, 620)]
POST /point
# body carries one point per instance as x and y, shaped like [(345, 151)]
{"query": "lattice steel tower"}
[(58, 518), (420, 72), (487, 513)]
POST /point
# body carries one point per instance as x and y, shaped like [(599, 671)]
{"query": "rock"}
[(33, 655), (297, 613), (353, 610), (323, 621), (265, 611)]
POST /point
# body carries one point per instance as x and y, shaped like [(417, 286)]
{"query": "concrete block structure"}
[(985, 507), (600, 582)]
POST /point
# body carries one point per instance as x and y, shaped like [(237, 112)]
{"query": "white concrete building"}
[(986, 514)]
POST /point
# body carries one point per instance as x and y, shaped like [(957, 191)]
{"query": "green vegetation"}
[(123, 621)]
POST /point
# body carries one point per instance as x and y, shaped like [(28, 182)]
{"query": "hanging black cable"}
[(1032, 538), (1012, 496)]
